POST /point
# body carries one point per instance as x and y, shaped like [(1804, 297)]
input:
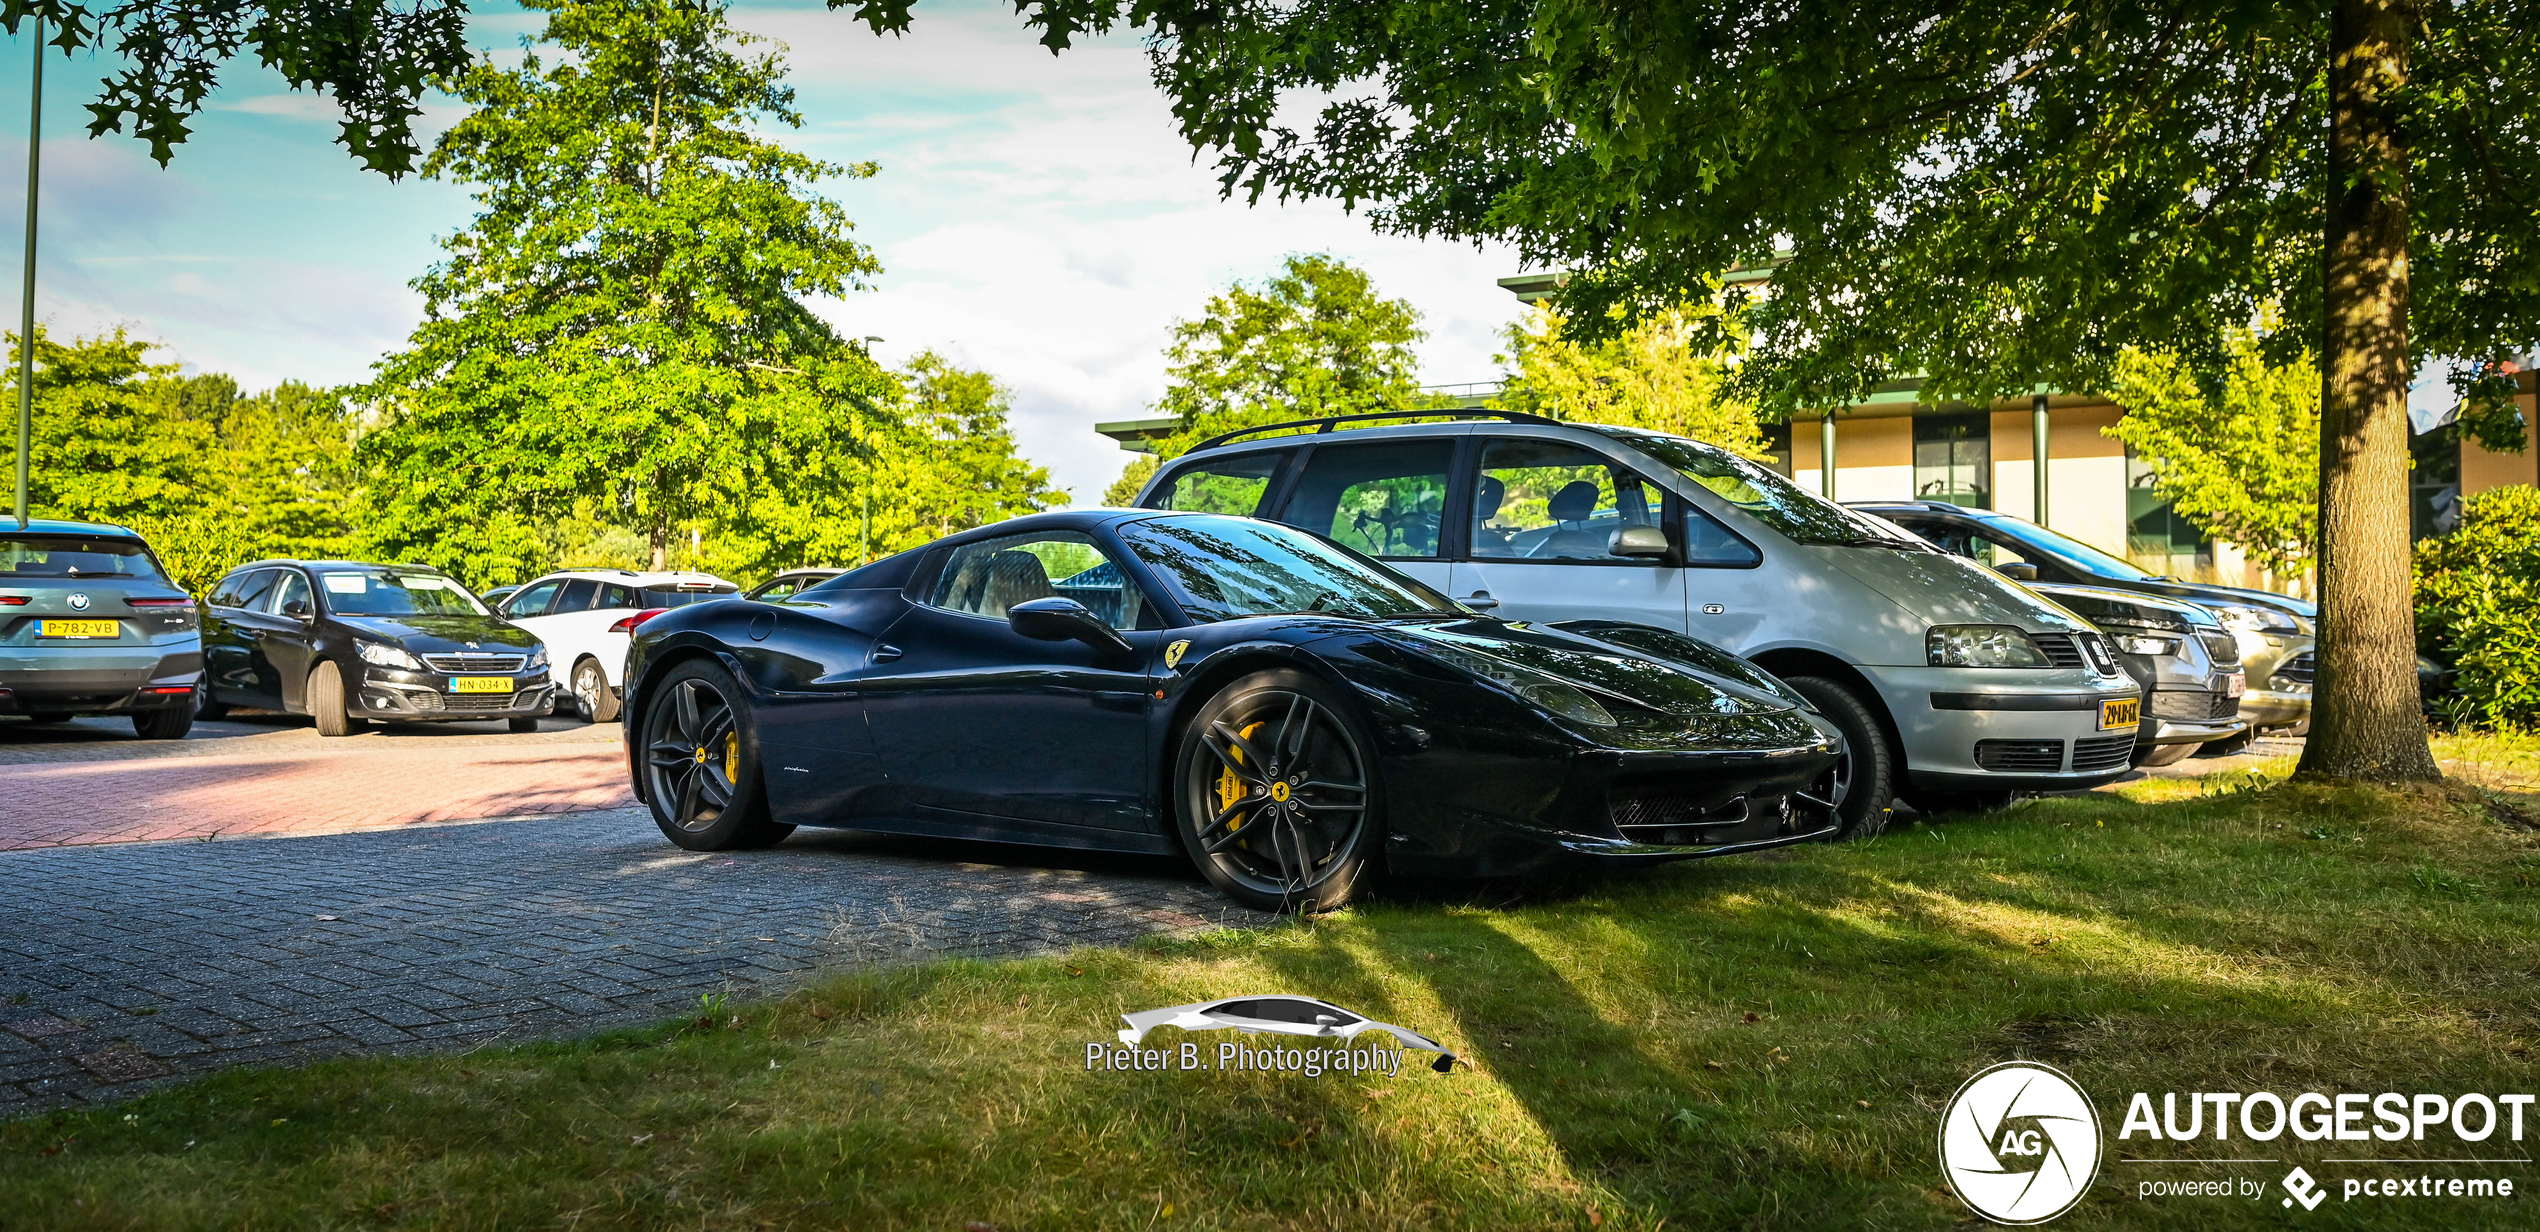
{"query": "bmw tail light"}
[(12, 600), (160, 602), (172, 615), (629, 624)]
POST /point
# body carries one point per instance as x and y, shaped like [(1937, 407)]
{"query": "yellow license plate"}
[(2120, 712), (480, 684), (78, 628)]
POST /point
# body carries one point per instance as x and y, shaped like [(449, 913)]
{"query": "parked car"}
[(1285, 712), (347, 641), (2187, 663), (790, 583), (2275, 631), (1951, 685), (90, 624), (586, 616)]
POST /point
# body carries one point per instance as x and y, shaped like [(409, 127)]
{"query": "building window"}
[(2157, 538), (1777, 443), (1953, 457), (2434, 482)]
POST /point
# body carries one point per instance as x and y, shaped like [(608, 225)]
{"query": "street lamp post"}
[(26, 314)]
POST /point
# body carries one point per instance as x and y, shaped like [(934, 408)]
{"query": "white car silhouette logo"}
[(1277, 1015)]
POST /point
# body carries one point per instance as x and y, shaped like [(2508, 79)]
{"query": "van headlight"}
[(1982, 646), (385, 655), (2138, 644), (1548, 691)]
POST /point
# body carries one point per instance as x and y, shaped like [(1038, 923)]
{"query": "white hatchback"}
[(588, 616)]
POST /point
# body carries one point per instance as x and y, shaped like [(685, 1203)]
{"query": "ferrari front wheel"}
[(701, 763), (1275, 792)]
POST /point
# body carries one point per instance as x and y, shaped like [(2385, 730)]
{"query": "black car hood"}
[(441, 634), (2198, 592), (1670, 686)]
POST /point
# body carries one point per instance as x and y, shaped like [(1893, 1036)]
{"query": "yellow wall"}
[(2085, 477), (1873, 458), (2014, 490)]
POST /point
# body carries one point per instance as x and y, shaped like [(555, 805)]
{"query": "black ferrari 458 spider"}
[(1289, 714)]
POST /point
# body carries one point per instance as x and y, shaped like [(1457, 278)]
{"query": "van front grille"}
[(462, 663), (2059, 648), (2300, 668), (2021, 756), (2103, 752), (2193, 706)]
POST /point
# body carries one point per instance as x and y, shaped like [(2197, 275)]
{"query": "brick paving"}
[(128, 965)]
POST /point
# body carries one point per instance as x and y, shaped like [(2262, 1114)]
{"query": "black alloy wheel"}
[(1866, 767), (1276, 796), (701, 763)]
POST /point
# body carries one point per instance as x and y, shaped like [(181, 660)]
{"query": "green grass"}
[(1754, 1042)]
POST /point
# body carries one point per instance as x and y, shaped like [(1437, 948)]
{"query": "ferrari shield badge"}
[(1173, 654)]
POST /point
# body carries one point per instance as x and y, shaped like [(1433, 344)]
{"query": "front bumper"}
[(99, 679), (427, 697), (2263, 709), (1994, 729)]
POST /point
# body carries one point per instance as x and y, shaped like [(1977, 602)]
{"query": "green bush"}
[(2478, 605)]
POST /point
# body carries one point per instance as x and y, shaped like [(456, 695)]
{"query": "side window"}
[(1550, 500), (779, 590), (612, 596), (986, 578), (292, 588), (532, 601), (577, 595), (1384, 500), (1988, 550), (1711, 545), (230, 589), (1230, 485)]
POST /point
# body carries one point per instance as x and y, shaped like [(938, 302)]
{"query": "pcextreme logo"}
[(2019, 1143)]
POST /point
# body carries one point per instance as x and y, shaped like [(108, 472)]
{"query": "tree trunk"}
[(661, 546), (2365, 721)]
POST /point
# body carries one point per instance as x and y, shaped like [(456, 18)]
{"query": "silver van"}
[(1953, 686)]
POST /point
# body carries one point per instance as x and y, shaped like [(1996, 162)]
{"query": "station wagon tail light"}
[(628, 624), (12, 600)]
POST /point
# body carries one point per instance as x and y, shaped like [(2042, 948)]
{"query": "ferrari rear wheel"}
[(701, 763), (1276, 794)]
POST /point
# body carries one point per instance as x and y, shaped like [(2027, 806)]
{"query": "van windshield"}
[(2078, 556), (1798, 514)]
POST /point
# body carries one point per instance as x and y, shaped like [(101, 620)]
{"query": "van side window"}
[(1550, 500), (1711, 545), (577, 595), (1229, 485), (1385, 500)]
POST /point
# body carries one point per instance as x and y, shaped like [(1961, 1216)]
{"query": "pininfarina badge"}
[(1281, 1015)]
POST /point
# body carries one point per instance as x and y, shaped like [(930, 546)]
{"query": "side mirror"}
[(1060, 619), (1637, 541), (2017, 570), (298, 608)]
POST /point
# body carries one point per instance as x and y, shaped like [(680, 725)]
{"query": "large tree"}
[(372, 58), (1990, 196), (625, 326)]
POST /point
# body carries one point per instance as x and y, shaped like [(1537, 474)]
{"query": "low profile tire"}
[(701, 763), (523, 726), (593, 699), (2147, 755), (1869, 766), (207, 706), (327, 702), (1276, 797), (169, 724), (1936, 802)]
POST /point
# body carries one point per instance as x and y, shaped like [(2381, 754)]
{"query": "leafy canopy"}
[(1649, 375), (373, 58), (624, 326), (2239, 459)]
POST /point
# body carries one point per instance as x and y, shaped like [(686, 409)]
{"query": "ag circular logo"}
[(79, 602), (2020, 1143)]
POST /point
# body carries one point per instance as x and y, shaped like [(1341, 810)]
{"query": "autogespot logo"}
[(2020, 1143)]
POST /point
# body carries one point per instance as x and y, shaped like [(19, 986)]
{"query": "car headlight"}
[(385, 655), (1550, 692), (537, 659), (1982, 646), (2242, 616), (2137, 644)]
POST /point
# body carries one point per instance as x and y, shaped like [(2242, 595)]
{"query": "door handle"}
[(1480, 601), (884, 654)]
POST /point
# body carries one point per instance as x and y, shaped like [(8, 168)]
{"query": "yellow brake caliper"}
[(732, 757), (1230, 789)]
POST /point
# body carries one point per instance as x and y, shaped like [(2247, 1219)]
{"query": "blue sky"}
[(1035, 216)]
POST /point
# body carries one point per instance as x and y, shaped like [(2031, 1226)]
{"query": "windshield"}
[(682, 597), (1800, 515), (396, 592), (1229, 568), (76, 556), (2082, 557)]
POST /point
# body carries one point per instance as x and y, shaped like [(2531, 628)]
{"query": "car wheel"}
[(2163, 754), (1868, 767), (593, 699), (50, 716), (1938, 802), (701, 763), (1275, 792), (327, 701), (168, 724), (524, 725), (207, 706)]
